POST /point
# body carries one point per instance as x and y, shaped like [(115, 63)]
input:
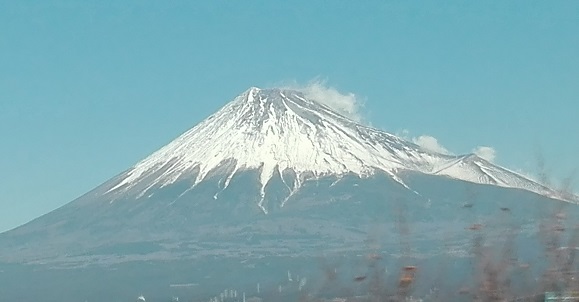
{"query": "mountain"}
[(281, 131), (272, 181)]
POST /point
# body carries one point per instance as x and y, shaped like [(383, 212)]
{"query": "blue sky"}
[(88, 88)]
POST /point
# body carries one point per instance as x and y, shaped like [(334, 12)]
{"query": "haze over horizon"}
[(91, 88)]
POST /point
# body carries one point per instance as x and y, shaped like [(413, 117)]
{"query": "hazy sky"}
[(88, 88)]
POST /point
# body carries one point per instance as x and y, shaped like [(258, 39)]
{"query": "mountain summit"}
[(282, 132)]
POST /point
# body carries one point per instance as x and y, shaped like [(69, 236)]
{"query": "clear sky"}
[(88, 88)]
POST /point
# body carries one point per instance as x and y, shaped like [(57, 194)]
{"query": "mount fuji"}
[(273, 180), (282, 133)]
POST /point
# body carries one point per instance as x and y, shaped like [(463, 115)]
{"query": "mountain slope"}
[(281, 131)]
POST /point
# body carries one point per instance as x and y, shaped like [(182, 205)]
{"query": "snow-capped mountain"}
[(281, 131), (271, 151), (193, 212)]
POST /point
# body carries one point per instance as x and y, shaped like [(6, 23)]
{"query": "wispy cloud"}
[(346, 104), (488, 153), (430, 143)]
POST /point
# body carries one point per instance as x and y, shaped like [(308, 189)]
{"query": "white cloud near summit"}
[(488, 153), (430, 143), (347, 104)]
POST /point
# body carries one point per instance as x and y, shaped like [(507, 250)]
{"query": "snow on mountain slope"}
[(277, 129), (476, 169)]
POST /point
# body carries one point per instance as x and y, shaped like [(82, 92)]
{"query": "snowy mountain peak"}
[(274, 130), (262, 104)]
